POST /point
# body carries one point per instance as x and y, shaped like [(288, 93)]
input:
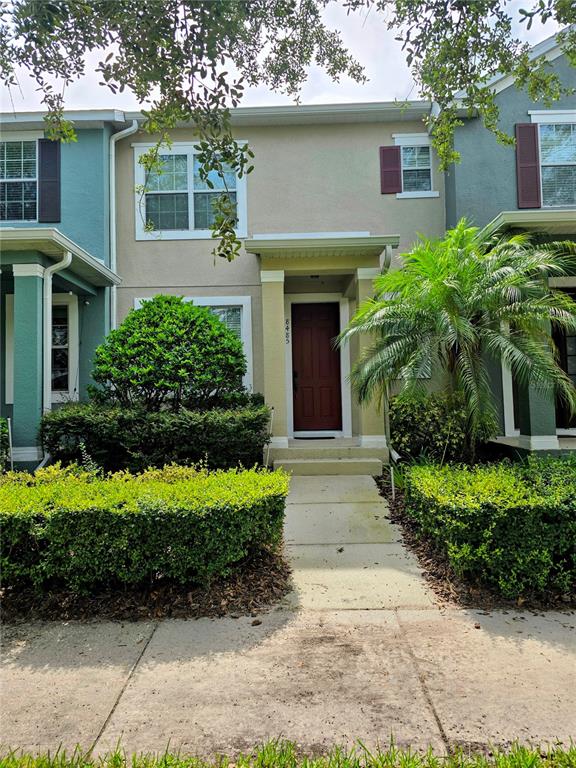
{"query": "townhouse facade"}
[(320, 216), (55, 260), (527, 188), (337, 194)]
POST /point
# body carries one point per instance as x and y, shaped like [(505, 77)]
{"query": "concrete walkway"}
[(345, 553), (359, 651)]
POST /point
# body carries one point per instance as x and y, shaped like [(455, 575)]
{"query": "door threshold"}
[(319, 434)]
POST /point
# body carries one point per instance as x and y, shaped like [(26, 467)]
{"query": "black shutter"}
[(48, 181)]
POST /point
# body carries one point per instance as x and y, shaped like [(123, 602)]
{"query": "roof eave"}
[(549, 220), (52, 242)]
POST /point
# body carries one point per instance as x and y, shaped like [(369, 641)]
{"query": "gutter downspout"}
[(112, 203), (47, 329)]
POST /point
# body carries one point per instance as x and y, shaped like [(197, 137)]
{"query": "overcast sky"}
[(364, 33)]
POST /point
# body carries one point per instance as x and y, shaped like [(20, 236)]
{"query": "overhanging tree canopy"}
[(191, 59)]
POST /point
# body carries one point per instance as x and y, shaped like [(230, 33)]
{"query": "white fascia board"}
[(296, 114), (18, 119)]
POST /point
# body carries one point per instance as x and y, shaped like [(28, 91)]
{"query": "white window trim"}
[(345, 365), (73, 348), (412, 195), (414, 140), (23, 136), (182, 234), (411, 139), (553, 118), (71, 301), (227, 301)]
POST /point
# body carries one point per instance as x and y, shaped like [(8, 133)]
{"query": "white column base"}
[(373, 441), (539, 442), (278, 441), (26, 453)]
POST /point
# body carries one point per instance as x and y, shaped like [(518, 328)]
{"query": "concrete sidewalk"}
[(359, 651)]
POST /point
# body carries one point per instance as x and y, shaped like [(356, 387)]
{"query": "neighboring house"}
[(335, 191), (530, 187), (55, 265)]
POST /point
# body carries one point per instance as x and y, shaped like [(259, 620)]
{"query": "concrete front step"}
[(360, 466), (329, 452)]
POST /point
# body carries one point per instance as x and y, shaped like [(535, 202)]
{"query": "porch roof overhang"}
[(321, 245), (53, 244), (557, 221)]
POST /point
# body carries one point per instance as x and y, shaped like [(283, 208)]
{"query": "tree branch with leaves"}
[(190, 61)]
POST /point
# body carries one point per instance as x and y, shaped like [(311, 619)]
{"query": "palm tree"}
[(459, 302)]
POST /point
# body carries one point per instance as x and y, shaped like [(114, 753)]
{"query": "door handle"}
[(295, 380)]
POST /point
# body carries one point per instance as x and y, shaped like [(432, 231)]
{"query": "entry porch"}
[(54, 312), (530, 419), (311, 287)]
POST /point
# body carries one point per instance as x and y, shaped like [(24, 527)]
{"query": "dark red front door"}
[(316, 367)]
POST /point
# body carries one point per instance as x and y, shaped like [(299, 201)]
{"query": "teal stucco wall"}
[(483, 183), (85, 192)]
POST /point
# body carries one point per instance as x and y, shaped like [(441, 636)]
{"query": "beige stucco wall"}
[(309, 178)]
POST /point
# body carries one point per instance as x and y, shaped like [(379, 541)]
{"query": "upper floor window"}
[(177, 203), (406, 166), (416, 169), (558, 164), (18, 181)]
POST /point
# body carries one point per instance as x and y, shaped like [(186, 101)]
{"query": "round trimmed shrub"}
[(169, 353)]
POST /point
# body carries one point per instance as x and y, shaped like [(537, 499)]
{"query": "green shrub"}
[(118, 438), (433, 426), (74, 529), (167, 354), (510, 526), (4, 444)]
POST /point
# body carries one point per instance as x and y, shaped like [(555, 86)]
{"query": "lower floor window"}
[(60, 349), (231, 317)]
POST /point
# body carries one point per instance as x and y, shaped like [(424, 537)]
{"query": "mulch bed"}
[(447, 586), (257, 585)]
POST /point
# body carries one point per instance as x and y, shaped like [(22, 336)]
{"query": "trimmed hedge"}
[(73, 529), (433, 426), (510, 526), (117, 438)]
